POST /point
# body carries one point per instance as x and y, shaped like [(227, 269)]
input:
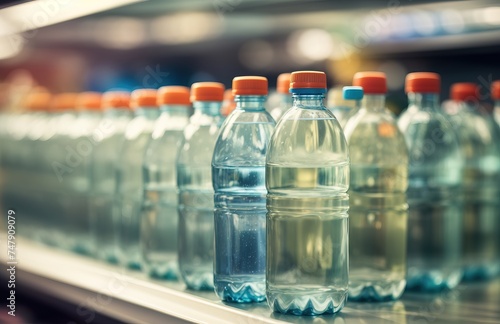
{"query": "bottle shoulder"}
[(304, 135)]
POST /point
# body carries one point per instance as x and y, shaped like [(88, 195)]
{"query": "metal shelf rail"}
[(95, 287)]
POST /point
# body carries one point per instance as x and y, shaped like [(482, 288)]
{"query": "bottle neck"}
[(117, 112), (148, 113), (250, 103), (209, 108), (424, 100), (175, 110), (309, 101), (373, 102)]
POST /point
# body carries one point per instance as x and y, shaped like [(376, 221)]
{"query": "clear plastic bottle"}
[(378, 212), (477, 133), (159, 222), (238, 173), (103, 168), (435, 168), (307, 178), (82, 141), (341, 109), (29, 181), (60, 159), (495, 95), (129, 191), (284, 96), (194, 181)]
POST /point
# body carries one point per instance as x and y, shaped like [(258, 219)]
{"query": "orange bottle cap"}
[(423, 82), (38, 101), (173, 95), (207, 91), (495, 90), (250, 85), (308, 79), (89, 101), (283, 83), (116, 99), (144, 98), (371, 82), (464, 91), (64, 101)]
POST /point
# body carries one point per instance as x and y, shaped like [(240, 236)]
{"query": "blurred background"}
[(76, 45)]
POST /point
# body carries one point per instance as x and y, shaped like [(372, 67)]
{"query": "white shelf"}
[(129, 296)]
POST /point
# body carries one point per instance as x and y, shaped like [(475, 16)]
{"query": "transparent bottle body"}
[(378, 212), (435, 206), (196, 197), (159, 221), (307, 178), (103, 168), (129, 187), (83, 137), (238, 172), (20, 183), (479, 141), (59, 160)]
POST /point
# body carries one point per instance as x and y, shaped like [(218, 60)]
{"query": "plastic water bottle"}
[(378, 212), (478, 135), (129, 177), (284, 98), (435, 210), (342, 109), (159, 222), (60, 160), (238, 173), (495, 95), (103, 168), (81, 143), (196, 194), (307, 178), (31, 192)]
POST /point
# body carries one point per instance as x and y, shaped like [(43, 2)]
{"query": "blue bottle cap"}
[(352, 93)]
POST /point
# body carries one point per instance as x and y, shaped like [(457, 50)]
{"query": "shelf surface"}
[(132, 297)]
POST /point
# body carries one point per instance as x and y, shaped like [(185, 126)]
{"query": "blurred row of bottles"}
[(134, 179)]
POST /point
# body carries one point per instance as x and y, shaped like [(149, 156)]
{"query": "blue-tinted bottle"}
[(478, 136), (159, 222), (378, 212), (60, 159), (83, 138), (103, 168), (435, 179), (307, 178), (129, 190), (238, 173), (194, 182)]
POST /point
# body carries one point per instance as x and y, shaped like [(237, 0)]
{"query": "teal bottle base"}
[(433, 281), (314, 304), (164, 272), (199, 281), (480, 272), (245, 292), (376, 293)]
